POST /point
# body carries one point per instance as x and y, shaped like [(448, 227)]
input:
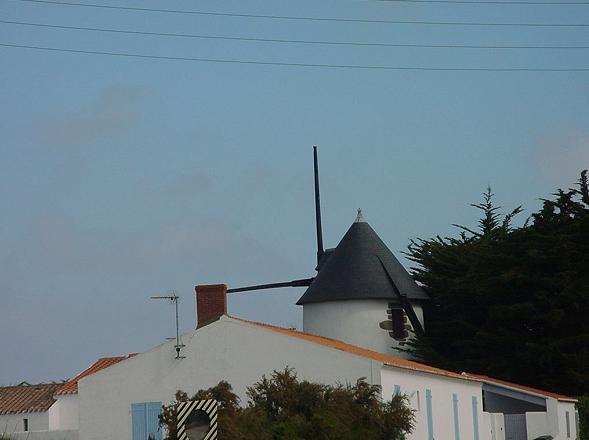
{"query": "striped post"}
[(184, 409)]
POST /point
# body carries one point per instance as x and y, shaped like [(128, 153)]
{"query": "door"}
[(515, 427)]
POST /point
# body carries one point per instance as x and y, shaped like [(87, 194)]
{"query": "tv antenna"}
[(174, 298)]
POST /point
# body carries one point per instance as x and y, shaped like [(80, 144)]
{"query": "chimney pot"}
[(211, 303)]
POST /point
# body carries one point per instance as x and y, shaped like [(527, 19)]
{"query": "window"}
[(397, 390), (145, 420), (568, 422), (25, 423)]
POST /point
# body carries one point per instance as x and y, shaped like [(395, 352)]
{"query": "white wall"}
[(11, 423), (562, 408), (494, 423), (414, 384), (47, 435), (355, 322), (537, 424), (63, 414), (224, 350)]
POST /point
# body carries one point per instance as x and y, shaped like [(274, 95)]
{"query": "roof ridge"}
[(25, 384), (360, 351), (530, 389)]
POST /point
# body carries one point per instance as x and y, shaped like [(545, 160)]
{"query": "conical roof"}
[(361, 267)]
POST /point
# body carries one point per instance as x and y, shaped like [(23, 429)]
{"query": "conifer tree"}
[(512, 302)]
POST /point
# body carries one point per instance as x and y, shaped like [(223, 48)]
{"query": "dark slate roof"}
[(361, 267)]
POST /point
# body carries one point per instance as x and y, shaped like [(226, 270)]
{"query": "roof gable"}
[(361, 267), (71, 386), (27, 398)]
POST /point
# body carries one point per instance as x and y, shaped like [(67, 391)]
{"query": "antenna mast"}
[(320, 250), (174, 298)]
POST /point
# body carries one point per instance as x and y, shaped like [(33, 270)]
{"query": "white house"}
[(24, 407), (45, 411), (448, 406), (63, 414), (240, 352)]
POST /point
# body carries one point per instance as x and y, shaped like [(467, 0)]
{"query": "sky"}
[(123, 178)]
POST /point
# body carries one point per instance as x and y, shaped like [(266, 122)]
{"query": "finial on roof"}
[(359, 217)]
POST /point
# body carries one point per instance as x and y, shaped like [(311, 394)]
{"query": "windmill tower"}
[(361, 293)]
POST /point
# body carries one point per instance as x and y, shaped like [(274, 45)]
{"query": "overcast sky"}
[(122, 178)]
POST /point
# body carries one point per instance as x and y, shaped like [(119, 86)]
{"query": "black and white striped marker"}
[(210, 407)]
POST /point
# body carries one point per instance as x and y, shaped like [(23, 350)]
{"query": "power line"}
[(304, 18), (286, 64), (280, 40)]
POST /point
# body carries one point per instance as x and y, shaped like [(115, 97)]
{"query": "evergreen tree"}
[(512, 302)]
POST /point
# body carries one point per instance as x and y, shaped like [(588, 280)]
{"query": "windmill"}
[(352, 279)]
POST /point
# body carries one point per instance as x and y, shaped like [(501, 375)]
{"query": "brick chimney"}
[(211, 302)]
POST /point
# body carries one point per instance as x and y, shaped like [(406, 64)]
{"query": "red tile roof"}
[(71, 386), (494, 381), (27, 398), (359, 351)]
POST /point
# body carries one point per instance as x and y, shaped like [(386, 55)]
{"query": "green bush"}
[(283, 407)]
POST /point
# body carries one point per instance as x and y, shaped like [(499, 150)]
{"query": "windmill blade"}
[(295, 283), (320, 250)]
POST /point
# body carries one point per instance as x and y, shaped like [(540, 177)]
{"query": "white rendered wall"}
[(228, 350), (355, 322), (554, 420), (536, 424), (46, 435), (11, 423), (495, 424), (562, 408), (63, 414), (414, 384)]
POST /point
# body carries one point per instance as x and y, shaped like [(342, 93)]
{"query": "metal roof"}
[(361, 267)]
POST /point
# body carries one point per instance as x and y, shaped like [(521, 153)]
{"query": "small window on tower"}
[(25, 423)]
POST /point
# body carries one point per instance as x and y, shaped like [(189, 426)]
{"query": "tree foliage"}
[(512, 302), (283, 407)]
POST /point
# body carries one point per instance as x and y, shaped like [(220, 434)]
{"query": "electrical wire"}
[(286, 64), (304, 18), (280, 40)]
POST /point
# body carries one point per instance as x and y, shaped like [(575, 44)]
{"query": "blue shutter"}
[(145, 420), (153, 422), (475, 417), (397, 390), (430, 416), (456, 423), (138, 420)]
